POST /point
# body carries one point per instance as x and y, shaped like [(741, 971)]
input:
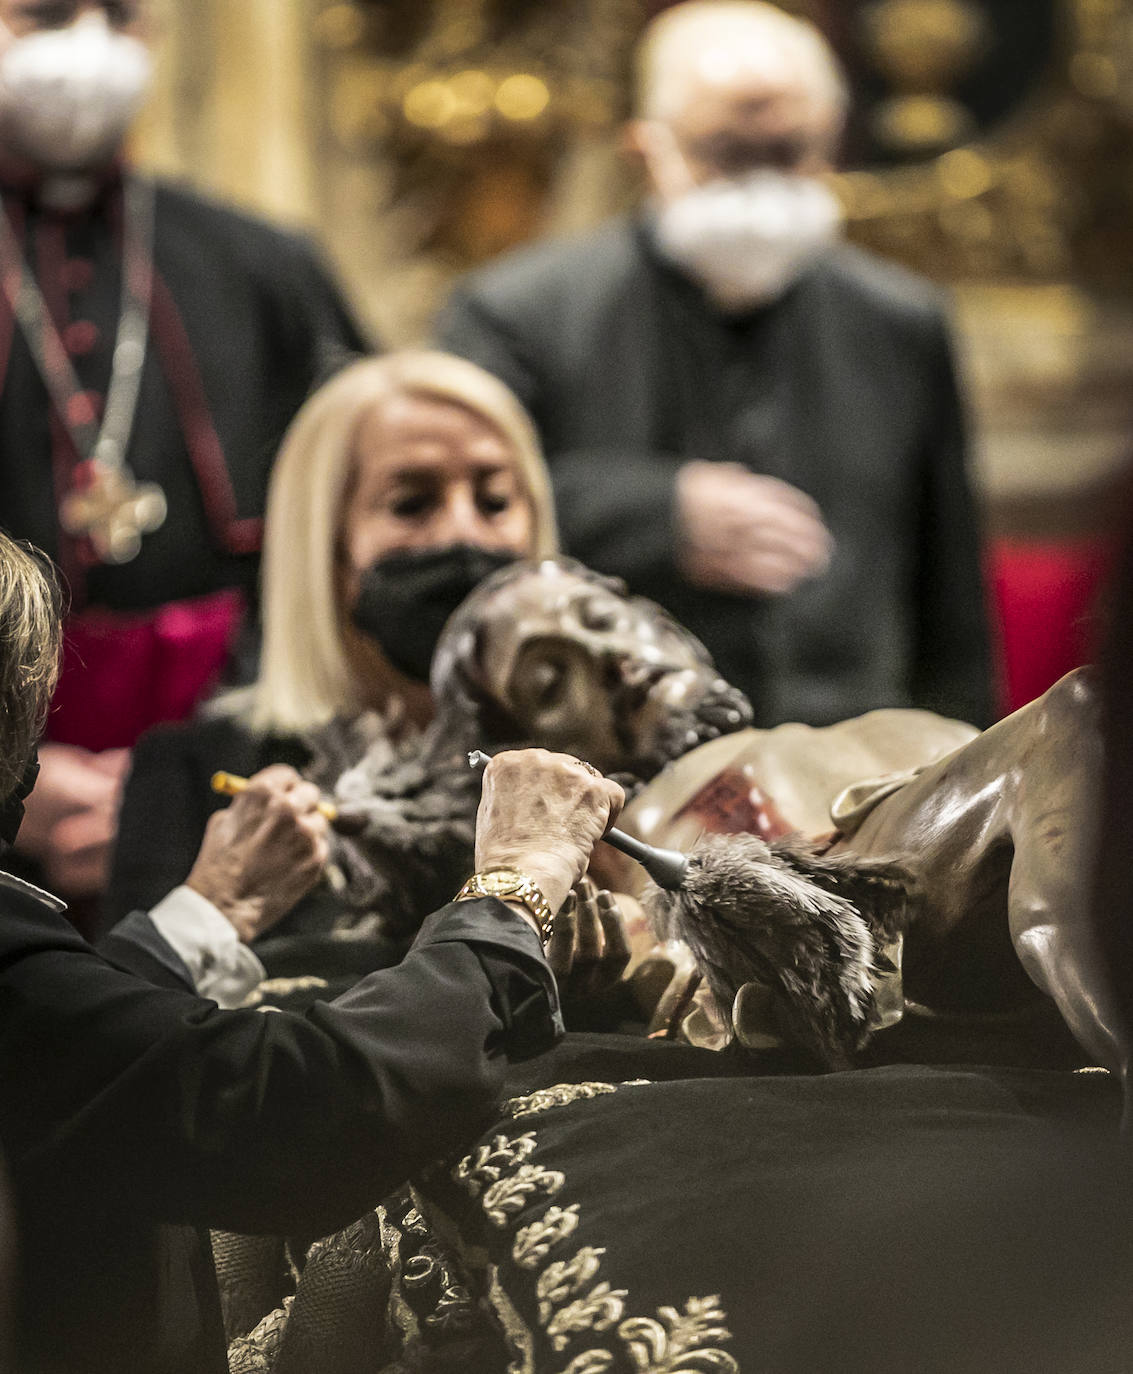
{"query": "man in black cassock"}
[(153, 348), (133, 1111), (750, 423)]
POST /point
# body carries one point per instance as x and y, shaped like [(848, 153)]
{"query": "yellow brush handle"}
[(231, 785)]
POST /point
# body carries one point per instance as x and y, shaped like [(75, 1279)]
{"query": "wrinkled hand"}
[(264, 852), (71, 816), (543, 814), (588, 948), (747, 533)]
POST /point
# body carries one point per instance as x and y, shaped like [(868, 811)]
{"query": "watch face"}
[(501, 880)]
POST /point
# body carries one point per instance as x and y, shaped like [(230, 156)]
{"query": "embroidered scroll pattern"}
[(492, 1162), (561, 1095), (600, 1309), (534, 1243), (453, 1309), (573, 1301), (564, 1278), (679, 1342), (430, 1299)]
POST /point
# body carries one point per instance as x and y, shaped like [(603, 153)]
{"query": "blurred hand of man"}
[(264, 852), (543, 813), (745, 533), (71, 816)]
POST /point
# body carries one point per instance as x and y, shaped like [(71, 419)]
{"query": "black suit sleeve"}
[(616, 507), (952, 670), (136, 945), (155, 1101)]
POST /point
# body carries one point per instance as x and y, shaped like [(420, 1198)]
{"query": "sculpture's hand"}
[(543, 813), (747, 533), (264, 852), (588, 949)]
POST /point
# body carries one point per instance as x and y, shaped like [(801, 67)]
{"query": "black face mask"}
[(405, 599), (12, 809)]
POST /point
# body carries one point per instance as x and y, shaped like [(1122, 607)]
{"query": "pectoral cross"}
[(112, 510)]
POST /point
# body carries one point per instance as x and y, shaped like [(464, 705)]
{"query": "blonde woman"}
[(400, 483)]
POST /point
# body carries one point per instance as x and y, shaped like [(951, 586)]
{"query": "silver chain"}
[(105, 443)]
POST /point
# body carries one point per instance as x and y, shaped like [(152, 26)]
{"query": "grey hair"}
[(31, 606)]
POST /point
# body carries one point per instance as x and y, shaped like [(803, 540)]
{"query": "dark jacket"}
[(129, 1110), (844, 387), (245, 321)]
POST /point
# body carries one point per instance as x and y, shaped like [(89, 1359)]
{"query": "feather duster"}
[(787, 917)]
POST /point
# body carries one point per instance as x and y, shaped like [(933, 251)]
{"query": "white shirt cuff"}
[(223, 969)]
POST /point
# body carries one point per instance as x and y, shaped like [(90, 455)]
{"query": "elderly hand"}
[(588, 949), (747, 533), (543, 813), (264, 852)]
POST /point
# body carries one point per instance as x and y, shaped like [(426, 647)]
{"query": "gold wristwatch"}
[(509, 884)]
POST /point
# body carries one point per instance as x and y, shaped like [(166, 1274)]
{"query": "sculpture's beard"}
[(722, 710)]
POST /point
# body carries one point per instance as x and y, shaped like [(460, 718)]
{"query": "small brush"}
[(231, 785), (667, 867)]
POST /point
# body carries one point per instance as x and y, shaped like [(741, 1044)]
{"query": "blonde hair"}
[(305, 677), (671, 42), (30, 620)]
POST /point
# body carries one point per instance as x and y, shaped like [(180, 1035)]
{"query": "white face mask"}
[(746, 241), (68, 95)]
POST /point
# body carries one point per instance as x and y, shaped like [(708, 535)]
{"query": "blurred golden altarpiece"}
[(991, 148)]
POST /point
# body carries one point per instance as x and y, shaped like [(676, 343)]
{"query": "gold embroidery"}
[(591, 1362), (454, 1310), (560, 1095), (598, 1311), (565, 1278), (423, 1266), (533, 1243), (491, 1162), (414, 1223), (510, 1196), (672, 1343), (678, 1344), (282, 987), (400, 1311)]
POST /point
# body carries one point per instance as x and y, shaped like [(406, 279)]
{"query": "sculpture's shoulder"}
[(1077, 692), (896, 734), (786, 778)]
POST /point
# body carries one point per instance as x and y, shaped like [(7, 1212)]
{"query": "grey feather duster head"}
[(787, 917)]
